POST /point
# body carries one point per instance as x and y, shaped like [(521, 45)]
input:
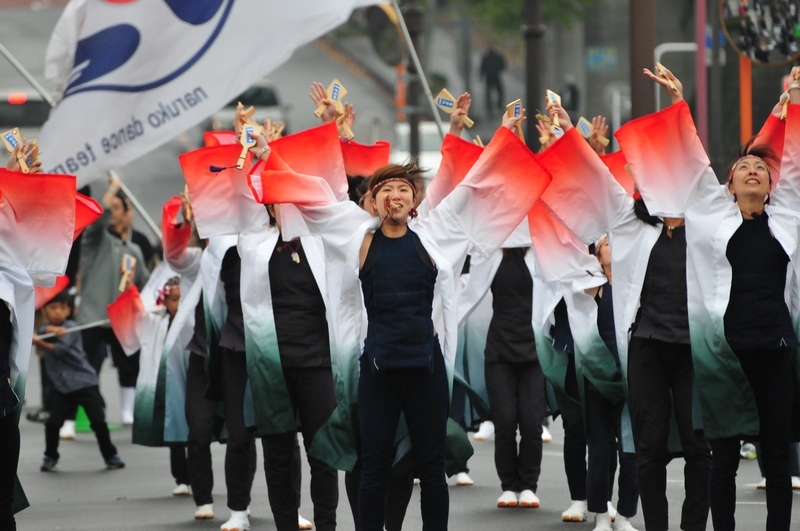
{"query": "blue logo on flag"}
[(110, 48)]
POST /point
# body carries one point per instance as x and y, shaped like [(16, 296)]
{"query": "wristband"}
[(262, 150), (793, 86)]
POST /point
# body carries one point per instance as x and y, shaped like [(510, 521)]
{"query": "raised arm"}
[(494, 196), (787, 193), (176, 235)]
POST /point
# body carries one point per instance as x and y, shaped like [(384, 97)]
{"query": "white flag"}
[(142, 71)]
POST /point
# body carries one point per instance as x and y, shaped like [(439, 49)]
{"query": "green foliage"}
[(508, 15)]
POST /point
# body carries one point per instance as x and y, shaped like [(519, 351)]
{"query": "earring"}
[(413, 213)]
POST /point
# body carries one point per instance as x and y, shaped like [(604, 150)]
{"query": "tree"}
[(506, 15)]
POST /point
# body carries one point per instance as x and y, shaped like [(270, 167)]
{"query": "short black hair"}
[(63, 297)]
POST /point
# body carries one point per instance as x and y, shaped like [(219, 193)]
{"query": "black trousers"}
[(89, 398), (494, 84), (178, 464), (769, 372), (313, 399), (200, 416), (9, 449), (399, 489), (517, 400), (9, 431), (602, 432), (95, 341), (422, 396), (660, 379), (240, 452)]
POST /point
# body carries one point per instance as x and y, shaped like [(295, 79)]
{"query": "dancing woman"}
[(648, 253), (742, 252), (403, 267)]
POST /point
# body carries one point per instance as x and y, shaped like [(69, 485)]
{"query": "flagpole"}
[(93, 324), (414, 57), (49, 99)]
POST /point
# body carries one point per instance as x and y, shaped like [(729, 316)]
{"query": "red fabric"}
[(616, 162), (458, 157), (665, 156), (218, 198), (124, 314), (87, 210), (175, 238), (219, 138), (772, 134), (285, 186), (316, 151), (361, 160), (44, 206), (45, 295)]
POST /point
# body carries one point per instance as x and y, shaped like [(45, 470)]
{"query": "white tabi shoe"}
[(576, 512), (204, 512), (508, 499)]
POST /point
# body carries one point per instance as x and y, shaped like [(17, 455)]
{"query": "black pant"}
[(602, 431), (240, 452), (9, 430), (200, 416), (517, 399), (399, 489), (769, 372), (9, 449), (422, 396), (178, 464), (660, 378), (311, 392), (90, 400), (494, 84), (95, 341)]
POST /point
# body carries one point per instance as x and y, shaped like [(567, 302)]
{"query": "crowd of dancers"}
[(313, 288)]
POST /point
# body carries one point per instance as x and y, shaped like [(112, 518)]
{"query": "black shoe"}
[(48, 464), (114, 463), (38, 416)]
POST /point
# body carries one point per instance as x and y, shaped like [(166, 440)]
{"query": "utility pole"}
[(413, 14), (533, 30), (643, 42)]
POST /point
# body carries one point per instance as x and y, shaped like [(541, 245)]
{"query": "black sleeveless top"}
[(510, 338), (664, 313), (605, 320), (232, 334), (298, 308), (397, 281), (757, 316)]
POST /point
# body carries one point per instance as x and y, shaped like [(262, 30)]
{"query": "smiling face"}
[(750, 177), (172, 300), (394, 199)]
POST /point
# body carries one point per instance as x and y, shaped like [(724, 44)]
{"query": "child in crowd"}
[(74, 381)]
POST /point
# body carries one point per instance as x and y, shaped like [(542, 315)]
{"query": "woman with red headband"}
[(398, 266)]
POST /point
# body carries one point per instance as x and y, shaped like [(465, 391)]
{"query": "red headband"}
[(404, 179)]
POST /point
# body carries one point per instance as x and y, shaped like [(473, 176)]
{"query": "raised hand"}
[(510, 122), (320, 97), (463, 103), (600, 131), (546, 137), (564, 120), (676, 93)]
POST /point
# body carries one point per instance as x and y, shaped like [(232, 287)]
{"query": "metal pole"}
[(93, 324), (415, 58), (533, 30), (715, 85), (701, 71), (27, 75), (49, 99), (643, 42)]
